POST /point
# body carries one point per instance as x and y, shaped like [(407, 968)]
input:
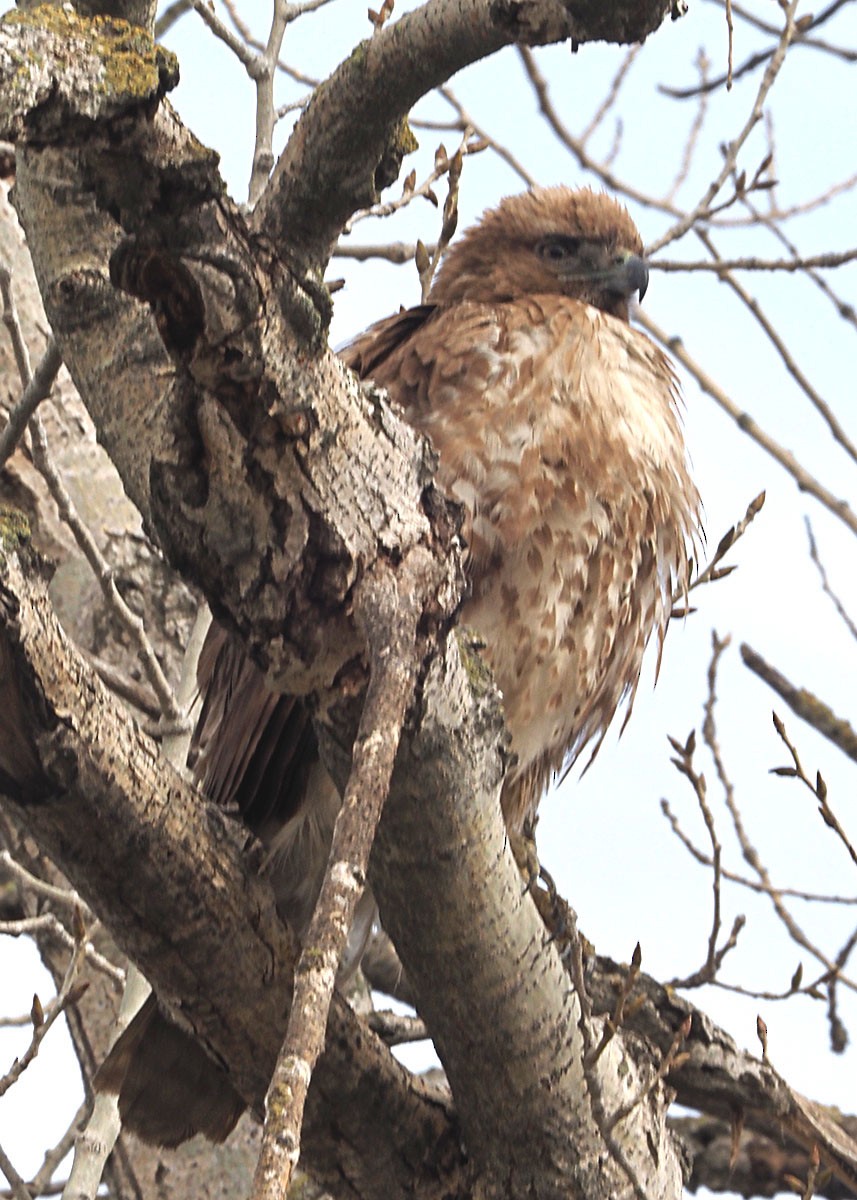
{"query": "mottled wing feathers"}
[(252, 749), (367, 353)]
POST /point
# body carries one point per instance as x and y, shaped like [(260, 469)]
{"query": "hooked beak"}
[(628, 275)]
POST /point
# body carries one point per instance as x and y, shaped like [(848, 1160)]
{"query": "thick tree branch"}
[(349, 142), (194, 914), (720, 1079)]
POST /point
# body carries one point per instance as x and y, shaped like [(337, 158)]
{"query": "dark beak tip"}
[(637, 276)]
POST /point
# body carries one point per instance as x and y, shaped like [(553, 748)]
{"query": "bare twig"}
[(771, 222), (752, 857), (387, 608), (802, 38), (237, 45), (779, 344), (19, 1189), (38, 384), (40, 1182), (393, 252), (428, 262), (425, 190), (835, 258), (170, 16), (47, 922), (692, 141), (671, 1061), (730, 159), (397, 1029), (804, 703), (43, 1019), (713, 571), (683, 761), (126, 688), (262, 73), (817, 786), (847, 620), (753, 885), (46, 373), (805, 481), (103, 572), (67, 897), (611, 95), (466, 121), (615, 1021), (575, 146)]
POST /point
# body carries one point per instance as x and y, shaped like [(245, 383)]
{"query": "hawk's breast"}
[(556, 426)]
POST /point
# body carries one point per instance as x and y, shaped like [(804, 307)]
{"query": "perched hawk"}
[(557, 428)]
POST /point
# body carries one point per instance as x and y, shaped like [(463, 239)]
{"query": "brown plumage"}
[(557, 429)]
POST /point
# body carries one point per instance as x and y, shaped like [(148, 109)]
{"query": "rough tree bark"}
[(197, 341)]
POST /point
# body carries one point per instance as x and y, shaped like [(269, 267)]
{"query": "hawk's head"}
[(579, 243)]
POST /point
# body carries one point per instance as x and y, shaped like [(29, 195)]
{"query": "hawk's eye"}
[(557, 248)]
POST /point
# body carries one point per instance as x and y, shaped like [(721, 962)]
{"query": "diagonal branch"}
[(805, 703), (388, 605)]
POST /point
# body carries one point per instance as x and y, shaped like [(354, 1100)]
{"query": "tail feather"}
[(168, 1087)]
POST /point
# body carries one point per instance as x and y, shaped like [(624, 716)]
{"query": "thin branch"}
[(734, 147), (817, 786), (45, 374), (730, 60), (170, 16), (806, 482), (718, 646), (412, 190), (237, 45), (692, 141), (752, 857), (753, 885), (127, 689), (67, 897), (804, 704), (427, 262), (43, 1020), (721, 265), (713, 571), (755, 60), (575, 146), (397, 1029), (19, 1189), (847, 620), (387, 608), (262, 72), (393, 252), (750, 302), (843, 308), (671, 1061), (38, 384), (466, 121), (611, 95), (103, 572), (48, 922), (40, 1182)]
